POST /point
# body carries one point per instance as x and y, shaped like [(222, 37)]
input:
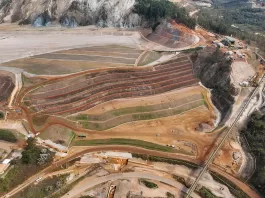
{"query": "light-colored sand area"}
[(89, 182), (7, 146), (241, 71), (230, 158), (185, 173), (50, 66), (14, 125), (19, 42), (145, 101), (132, 185)]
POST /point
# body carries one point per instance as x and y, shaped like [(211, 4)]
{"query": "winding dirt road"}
[(93, 181), (131, 149)]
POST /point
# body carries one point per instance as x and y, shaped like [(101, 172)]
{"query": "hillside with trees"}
[(254, 132), (7, 135), (221, 20), (156, 10), (213, 69)]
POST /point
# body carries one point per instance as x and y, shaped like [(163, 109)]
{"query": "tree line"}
[(221, 23), (156, 10), (255, 134)]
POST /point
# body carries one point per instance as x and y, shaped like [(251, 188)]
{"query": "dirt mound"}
[(172, 35)]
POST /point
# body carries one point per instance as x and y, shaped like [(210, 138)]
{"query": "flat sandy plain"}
[(20, 42)]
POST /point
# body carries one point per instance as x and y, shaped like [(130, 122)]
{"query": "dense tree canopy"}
[(32, 153), (246, 16), (255, 134), (1, 115), (7, 135), (220, 21), (155, 10)]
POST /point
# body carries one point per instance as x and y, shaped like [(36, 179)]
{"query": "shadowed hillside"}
[(213, 69)]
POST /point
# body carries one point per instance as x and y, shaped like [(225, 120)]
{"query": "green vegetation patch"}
[(30, 164), (220, 21), (32, 154), (109, 120), (255, 135), (7, 135), (219, 82), (180, 180), (183, 103), (170, 195), (120, 141), (236, 191), (196, 49), (165, 160), (148, 184), (206, 193), (43, 188), (2, 115), (155, 10)]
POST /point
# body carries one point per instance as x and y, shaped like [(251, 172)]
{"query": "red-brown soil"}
[(71, 96), (171, 35)]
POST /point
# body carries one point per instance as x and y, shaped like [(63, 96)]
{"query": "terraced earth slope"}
[(163, 104), (76, 60), (68, 96), (172, 35), (116, 117)]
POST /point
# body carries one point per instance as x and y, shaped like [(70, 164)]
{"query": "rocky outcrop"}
[(71, 13), (213, 69)]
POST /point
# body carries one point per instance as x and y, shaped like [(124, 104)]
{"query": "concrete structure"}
[(6, 161), (53, 145), (4, 165), (56, 146), (111, 154), (90, 159)]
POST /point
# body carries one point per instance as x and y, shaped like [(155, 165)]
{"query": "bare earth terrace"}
[(76, 60)]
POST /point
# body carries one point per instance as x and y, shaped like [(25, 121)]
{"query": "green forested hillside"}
[(255, 134), (156, 10)]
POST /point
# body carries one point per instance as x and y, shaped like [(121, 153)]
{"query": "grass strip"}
[(236, 191), (7, 135), (138, 109), (140, 116), (121, 141), (166, 160), (206, 193)]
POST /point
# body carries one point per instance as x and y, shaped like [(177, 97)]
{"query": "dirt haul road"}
[(93, 181), (85, 150)]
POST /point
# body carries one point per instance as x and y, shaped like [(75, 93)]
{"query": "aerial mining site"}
[(130, 99)]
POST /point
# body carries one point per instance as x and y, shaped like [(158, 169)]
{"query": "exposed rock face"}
[(213, 69), (104, 13)]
